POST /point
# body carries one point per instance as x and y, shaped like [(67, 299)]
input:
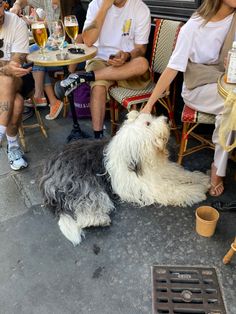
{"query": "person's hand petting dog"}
[(118, 59), (15, 69)]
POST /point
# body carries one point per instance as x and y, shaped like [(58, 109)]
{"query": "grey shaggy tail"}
[(70, 229), (66, 175)]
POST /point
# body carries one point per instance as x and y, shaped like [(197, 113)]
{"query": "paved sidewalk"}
[(110, 272)]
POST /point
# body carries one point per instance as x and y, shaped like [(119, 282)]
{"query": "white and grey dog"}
[(79, 182)]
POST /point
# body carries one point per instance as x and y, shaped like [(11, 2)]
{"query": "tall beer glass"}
[(57, 34), (71, 27), (40, 35)]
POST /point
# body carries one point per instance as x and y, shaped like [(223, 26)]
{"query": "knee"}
[(141, 63), (98, 91), (18, 105), (7, 84)]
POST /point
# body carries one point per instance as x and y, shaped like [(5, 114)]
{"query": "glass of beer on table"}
[(71, 27), (40, 35), (57, 34)]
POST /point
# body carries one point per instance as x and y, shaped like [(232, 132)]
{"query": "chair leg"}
[(166, 103), (114, 113), (172, 117), (22, 137), (174, 126), (183, 143), (65, 107), (39, 119)]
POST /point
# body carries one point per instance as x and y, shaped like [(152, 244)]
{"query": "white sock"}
[(2, 132), (12, 141)]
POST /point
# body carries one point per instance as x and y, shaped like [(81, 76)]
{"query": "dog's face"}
[(140, 140), (147, 128)]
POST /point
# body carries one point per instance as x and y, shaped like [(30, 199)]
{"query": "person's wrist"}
[(17, 3), (2, 70), (128, 56)]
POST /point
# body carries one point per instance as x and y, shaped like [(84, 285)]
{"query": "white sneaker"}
[(16, 158)]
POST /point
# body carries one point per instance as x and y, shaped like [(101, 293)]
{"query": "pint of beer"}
[(39, 33), (71, 27)]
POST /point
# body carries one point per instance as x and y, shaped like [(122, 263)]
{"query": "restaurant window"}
[(173, 9)]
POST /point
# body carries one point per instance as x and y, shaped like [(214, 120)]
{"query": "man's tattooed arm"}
[(91, 32), (4, 107)]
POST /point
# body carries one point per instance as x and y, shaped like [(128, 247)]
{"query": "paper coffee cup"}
[(206, 220)]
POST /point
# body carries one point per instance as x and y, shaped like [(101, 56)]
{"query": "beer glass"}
[(40, 35), (71, 27), (57, 34)]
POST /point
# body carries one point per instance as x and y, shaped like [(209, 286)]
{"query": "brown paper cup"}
[(206, 220)]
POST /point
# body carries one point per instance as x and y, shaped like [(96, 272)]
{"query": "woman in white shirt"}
[(200, 41)]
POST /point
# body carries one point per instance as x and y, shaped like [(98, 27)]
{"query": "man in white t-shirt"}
[(120, 30), (16, 82)]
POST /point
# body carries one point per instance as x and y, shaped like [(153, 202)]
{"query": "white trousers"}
[(207, 99)]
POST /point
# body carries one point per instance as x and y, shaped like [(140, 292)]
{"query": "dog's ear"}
[(135, 166), (132, 115)]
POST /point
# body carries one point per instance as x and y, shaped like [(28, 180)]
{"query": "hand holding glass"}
[(71, 27), (40, 35)]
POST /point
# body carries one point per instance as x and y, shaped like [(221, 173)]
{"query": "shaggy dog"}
[(78, 183)]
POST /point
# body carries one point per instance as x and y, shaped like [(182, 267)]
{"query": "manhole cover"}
[(186, 290)]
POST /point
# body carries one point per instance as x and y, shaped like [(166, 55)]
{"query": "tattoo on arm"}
[(4, 107), (93, 25), (18, 57)]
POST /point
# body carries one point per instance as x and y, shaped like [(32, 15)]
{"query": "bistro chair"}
[(38, 124), (165, 36), (191, 119)]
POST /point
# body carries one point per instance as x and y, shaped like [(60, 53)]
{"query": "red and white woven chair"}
[(165, 36), (191, 119)]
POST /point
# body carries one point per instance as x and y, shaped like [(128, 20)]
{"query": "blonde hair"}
[(208, 9)]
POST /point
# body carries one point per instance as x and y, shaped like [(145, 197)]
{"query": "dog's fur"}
[(78, 182)]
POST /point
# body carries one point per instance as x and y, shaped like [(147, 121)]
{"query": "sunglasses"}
[(1, 51)]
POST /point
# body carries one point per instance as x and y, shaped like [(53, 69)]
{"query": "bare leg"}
[(135, 67), (217, 186), (7, 95), (15, 119), (39, 83), (98, 107), (55, 104), (50, 93)]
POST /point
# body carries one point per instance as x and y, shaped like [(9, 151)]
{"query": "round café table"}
[(223, 87), (64, 58)]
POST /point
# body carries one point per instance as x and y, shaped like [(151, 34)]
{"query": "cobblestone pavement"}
[(110, 272)]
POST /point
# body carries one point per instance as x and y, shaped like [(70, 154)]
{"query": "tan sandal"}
[(217, 190)]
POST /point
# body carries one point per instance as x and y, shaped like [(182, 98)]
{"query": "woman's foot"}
[(217, 185), (55, 109), (40, 102)]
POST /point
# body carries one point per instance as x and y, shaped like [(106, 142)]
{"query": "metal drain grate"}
[(186, 290)]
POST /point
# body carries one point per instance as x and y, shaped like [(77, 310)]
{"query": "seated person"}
[(119, 28), (200, 42), (43, 81), (16, 82)]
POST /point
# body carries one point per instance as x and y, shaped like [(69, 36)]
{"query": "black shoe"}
[(231, 206), (66, 86)]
